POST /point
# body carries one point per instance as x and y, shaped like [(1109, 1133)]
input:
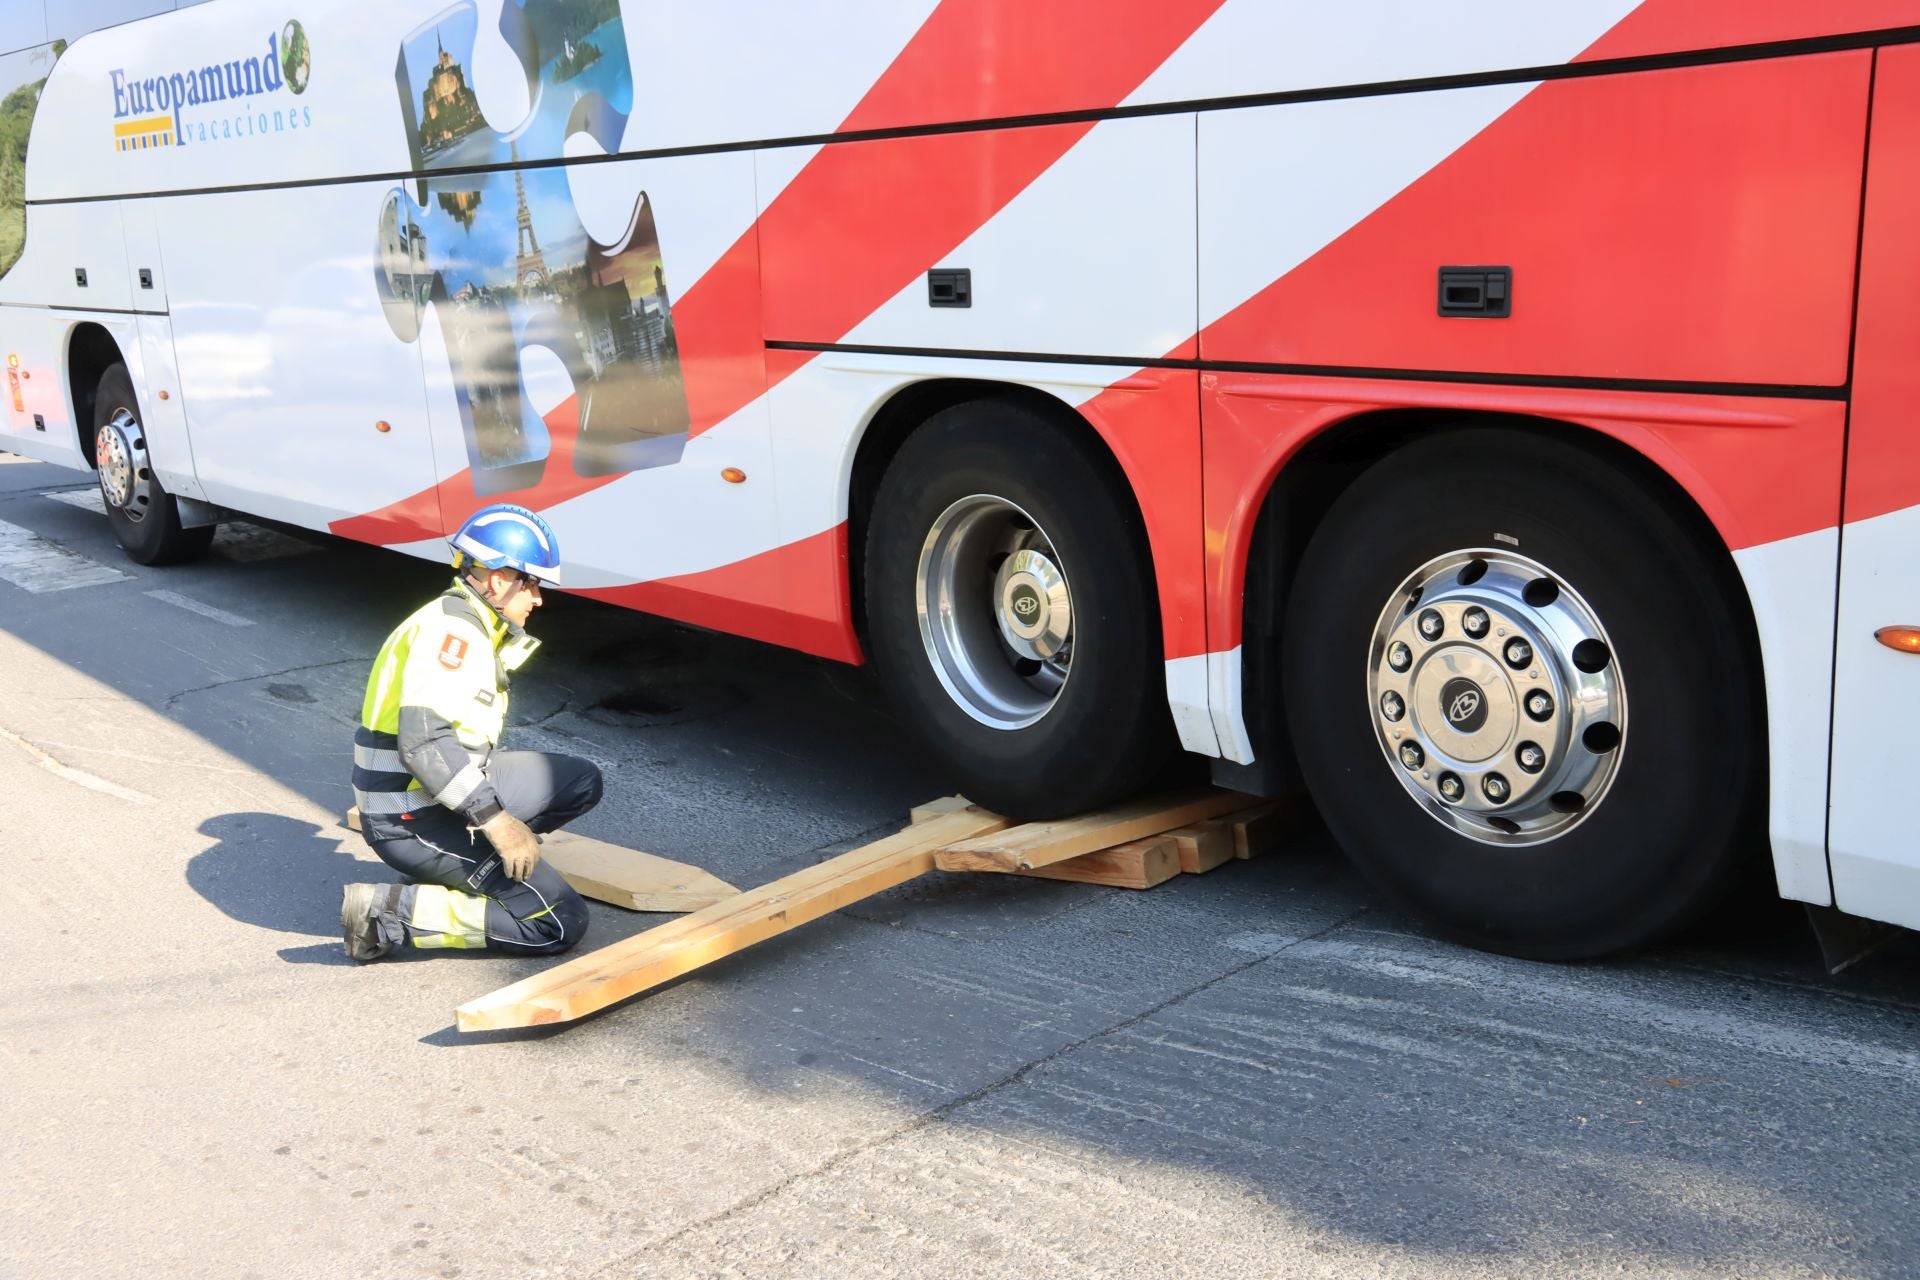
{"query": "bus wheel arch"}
[(1345, 484), (91, 351), (946, 473)]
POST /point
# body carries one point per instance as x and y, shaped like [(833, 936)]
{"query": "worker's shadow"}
[(283, 874)]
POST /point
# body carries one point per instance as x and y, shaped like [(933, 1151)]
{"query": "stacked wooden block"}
[(1051, 850)]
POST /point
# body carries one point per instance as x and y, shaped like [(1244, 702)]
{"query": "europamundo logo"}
[(217, 102)]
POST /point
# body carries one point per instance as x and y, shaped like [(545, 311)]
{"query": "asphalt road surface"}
[(1258, 1072)]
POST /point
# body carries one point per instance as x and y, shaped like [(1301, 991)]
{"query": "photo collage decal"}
[(507, 264)]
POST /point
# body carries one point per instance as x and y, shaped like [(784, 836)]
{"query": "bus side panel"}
[(1876, 858), (162, 410), (1766, 472), (1077, 241), (109, 121), (303, 401), (38, 410), (1694, 224), (75, 256)]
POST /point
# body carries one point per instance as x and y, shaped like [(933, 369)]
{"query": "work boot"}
[(361, 906)]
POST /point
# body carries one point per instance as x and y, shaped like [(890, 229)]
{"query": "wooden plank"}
[(934, 808), (621, 876), (1259, 829), (1203, 846), (611, 974), (629, 878), (1137, 864), (1039, 844)]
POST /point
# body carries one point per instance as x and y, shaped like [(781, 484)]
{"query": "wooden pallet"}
[(1136, 845), (621, 876)]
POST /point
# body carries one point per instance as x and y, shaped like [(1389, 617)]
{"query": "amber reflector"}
[(1905, 639), (733, 475), (383, 426)]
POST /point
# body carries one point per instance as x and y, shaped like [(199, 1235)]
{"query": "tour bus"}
[(1495, 416)]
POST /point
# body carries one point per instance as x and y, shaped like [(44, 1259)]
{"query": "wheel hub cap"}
[(1464, 702), (1035, 611), (996, 611), (126, 482), (1496, 697)]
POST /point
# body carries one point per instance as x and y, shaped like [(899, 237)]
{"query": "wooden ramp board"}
[(1040, 844), (621, 876), (1137, 864), (611, 974), (629, 878)]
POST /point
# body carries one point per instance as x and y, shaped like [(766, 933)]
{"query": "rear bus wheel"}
[(144, 516), (1521, 694), (1011, 615)]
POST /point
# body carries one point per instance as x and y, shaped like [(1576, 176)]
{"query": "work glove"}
[(514, 841)]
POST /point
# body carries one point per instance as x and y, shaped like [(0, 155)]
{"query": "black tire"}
[(153, 534), (1660, 846), (1108, 728)]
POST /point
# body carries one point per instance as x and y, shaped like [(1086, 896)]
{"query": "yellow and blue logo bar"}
[(138, 135)]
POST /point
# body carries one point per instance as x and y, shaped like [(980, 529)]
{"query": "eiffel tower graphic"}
[(530, 268)]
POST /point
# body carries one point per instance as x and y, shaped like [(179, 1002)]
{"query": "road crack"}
[(79, 777), (173, 699)]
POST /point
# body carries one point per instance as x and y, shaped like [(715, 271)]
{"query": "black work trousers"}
[(541, 914)]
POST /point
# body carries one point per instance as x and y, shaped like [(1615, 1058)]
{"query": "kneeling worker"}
[(438, 802)]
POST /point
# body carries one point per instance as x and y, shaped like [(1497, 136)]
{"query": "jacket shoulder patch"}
[(453, 652)]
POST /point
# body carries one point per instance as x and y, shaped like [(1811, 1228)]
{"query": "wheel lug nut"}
[(1496, 788), (1432, 624), (1399, 657), (1531, 757), (1539, 704), (1392, 707), (1451, 788), (1412, 756), (1474, 621), (1519, 653)]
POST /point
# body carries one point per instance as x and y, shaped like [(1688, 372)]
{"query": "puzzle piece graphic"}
[(601, 310)]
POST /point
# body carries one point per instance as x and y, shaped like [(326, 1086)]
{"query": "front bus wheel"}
[(1522, 694), (1011, 615), (144, 516)]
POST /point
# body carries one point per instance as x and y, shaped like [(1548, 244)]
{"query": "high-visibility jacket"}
[(434, 710)]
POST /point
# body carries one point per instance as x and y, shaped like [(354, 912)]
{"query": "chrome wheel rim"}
[(996, 611), (1496, 697), (126, 478)]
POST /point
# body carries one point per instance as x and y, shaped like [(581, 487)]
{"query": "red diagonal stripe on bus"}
[(1668, 26), (866, 222)]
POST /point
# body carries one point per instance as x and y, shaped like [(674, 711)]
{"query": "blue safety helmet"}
[(503, 536)]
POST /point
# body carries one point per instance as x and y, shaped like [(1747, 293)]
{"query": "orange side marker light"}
[(1903, 639), (383, 426), (733, 475)]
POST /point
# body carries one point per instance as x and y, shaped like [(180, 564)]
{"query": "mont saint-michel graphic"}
[(505, 262)]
